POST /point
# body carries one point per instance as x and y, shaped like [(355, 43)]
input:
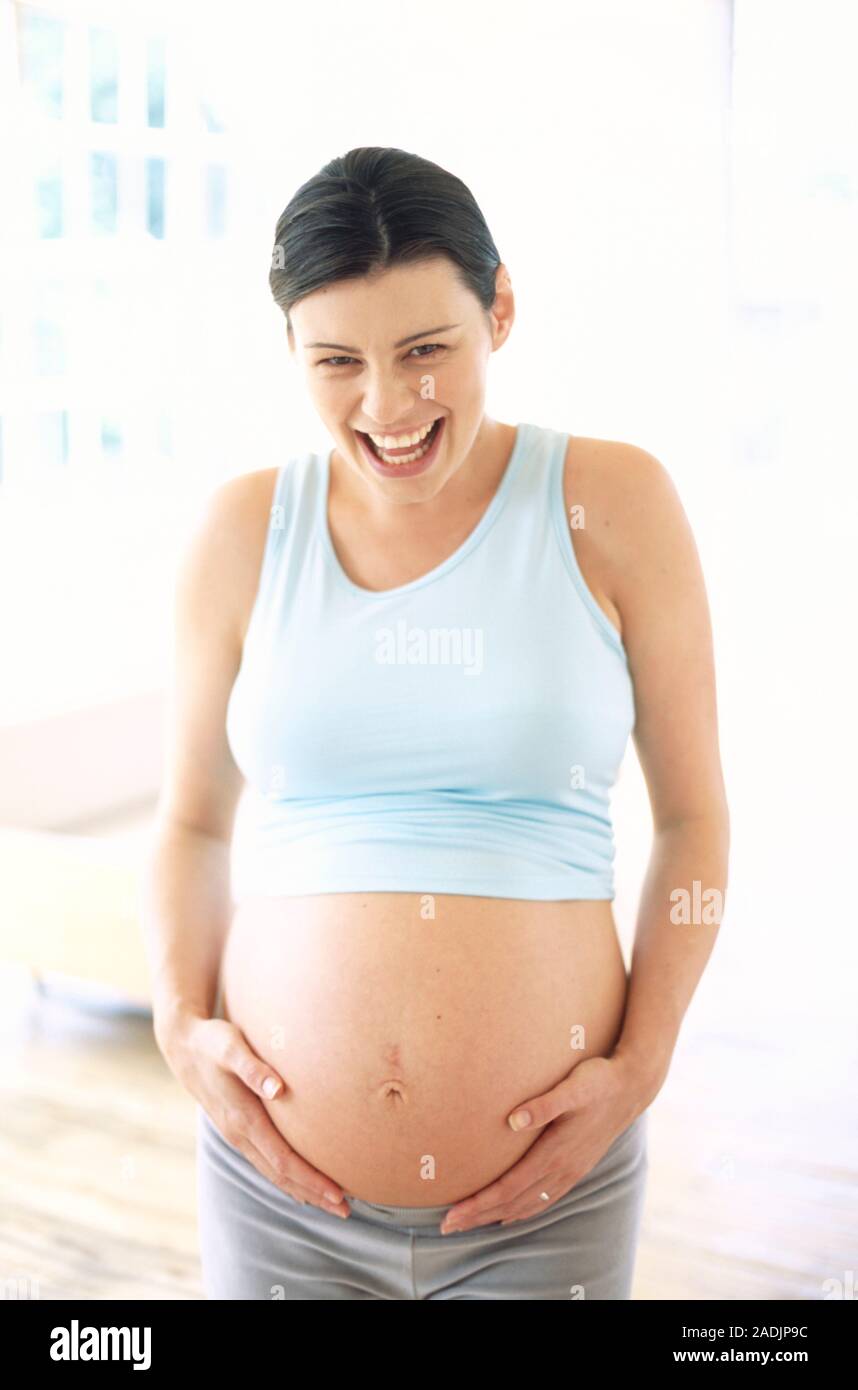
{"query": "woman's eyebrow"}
[(343, 347)]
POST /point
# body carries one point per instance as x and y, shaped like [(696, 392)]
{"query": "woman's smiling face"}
[(391, 353)]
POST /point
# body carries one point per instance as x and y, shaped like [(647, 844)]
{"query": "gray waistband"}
[(398, 1216)]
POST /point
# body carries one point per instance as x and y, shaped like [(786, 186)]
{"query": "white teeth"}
[(400, 441), (411, 457), (403, 458)]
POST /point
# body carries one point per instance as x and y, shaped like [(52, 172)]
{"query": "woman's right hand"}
[(212, 1059)]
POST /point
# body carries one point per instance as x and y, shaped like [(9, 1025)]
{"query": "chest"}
[(382, 561), (449, 687), (387, 561)]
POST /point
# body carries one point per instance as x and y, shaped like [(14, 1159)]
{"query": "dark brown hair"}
[(373, 208)]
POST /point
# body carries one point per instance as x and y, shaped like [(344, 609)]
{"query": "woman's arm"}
[(186, 911), (186, 905), (669, 957), (653, 575)]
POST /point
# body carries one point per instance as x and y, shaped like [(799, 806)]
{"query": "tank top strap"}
[(278, 516), (541, 469), (285, 539), (566, 521), (530, 523)]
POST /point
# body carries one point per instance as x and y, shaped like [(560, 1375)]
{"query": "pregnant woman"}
[(391, 978)]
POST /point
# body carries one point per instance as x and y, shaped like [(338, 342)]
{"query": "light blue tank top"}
[(457, 734)]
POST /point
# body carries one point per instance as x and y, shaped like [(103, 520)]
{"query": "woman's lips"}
[(403, 470)]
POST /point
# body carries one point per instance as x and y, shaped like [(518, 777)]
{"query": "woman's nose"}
[(387, 400)]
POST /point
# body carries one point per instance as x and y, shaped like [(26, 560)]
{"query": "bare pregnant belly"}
[(405, 1040)]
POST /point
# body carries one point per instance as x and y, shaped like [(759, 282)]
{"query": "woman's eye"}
[(424, 349)]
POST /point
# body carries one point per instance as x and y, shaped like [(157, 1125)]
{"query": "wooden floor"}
[(97, 1153), (753, 1186)]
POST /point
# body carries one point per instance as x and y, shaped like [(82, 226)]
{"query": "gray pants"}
[(256, 1242)]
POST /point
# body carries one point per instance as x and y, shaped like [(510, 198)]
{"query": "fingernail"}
[(270, 1087), (520, 1120), (333, 1198)]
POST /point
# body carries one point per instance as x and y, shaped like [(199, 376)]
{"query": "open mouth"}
[(406, 458)]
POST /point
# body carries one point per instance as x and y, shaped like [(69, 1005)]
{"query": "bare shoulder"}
[(629, 523), (620, 485), (223, 559)]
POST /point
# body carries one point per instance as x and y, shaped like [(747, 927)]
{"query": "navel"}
[(393, 1090)]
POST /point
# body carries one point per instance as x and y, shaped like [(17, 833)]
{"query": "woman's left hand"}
[(581, 1116)]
